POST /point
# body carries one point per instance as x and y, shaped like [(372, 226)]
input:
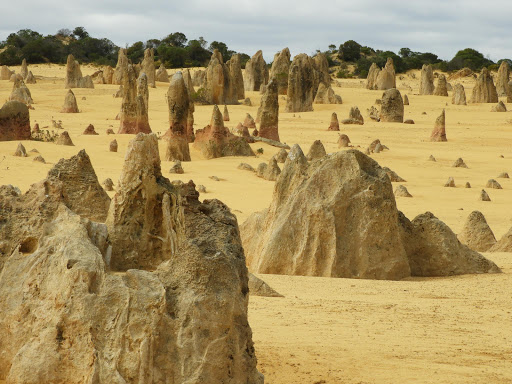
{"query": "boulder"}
[(334, 125), (493, 184), (179, 109), (439, 131), (177, 168), (484, 196), (258, 287), (5, 73), (450, 183), (500, 107), (280, 69), (20, 92), (20, 151), (281, 156), (256, 72), (215, 140), (316, 151), (161, 74), (134, 109), (392, 107), (302, 84), (246, 167), (459, 163), (269, 172), (343, 141), (401, 191), (434, 250), (406, 100), (30, 78), (441, 89), (39, 159), (325, 95), (148, 66), (504, 244), (14, 121), (64, 139), (108, 184), (427, 80), (268, 113), (502, 79), (89, 130), (484, 90), (328, 202), (249, 121), (113, 146), (476, 233), (70, 104), (459, 95)]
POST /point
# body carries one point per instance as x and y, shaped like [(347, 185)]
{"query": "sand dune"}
[(453, 330)]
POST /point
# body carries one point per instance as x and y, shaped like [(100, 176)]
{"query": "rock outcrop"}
[(199, 78), (200, 289), (134, 109), (237, 79), (322, 67), (439, 131), (162, 75), (30, 78), (371, 79), (5, 73), (442, 88), (215, 140), (188, 82), (386, 77), (484, 90), (502, 87), (354, 117), (301, 84), (500, 107), (504, 244), (392, 106), (343, 141), (74, 78), (316, 151), (218, 85), (70, 104), (148, 66), (256, 72), (258, 287), (121, 67), (14, 121), (268, 113), (20, 92), (179, 108), (427, 80), (459, 95), (325, 95), (64, 139), (344, 208), (24, 69), (280, 69), (89, 130), (334, 125), (476, 233), (20, 151)]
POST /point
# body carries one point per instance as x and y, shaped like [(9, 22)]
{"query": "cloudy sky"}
[(439, 26)]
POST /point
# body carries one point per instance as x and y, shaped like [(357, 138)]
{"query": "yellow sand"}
[(435, 330)]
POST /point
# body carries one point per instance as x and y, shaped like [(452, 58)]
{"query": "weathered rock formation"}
[(14, 121), (134, 110), (322, 67), (502, 87), (148, 66), (476, 233), (302, 84), (401, 191), (74, 78), (316, 151), (89, 130), (392, 106), (20, 151), (5, 73), (108, 74), (439, 131), (500, 107), (386, 77), (237, 79), (121, 67), (64, 139), (334, 125), (343, 141), (269, 172), (24, 69), (162, 75), (70, 105), (188, 82), (268, 113), (354, 117), (258, 287), (218, 85), (30, 78), (441, 89), (256, 72), (373, 73), (280, 69), (215, 140), (427, 80), (459, 95), (325, 95), (179, 107), (249, 121), (20, 92), (199, 78), (406, 100), (200, 289), (484, 90), (112, 147)]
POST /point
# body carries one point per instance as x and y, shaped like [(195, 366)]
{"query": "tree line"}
[(177, 51)]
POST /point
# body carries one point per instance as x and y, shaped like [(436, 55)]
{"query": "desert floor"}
[(443, 330)]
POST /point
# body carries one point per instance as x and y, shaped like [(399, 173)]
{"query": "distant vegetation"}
[(176, 51)]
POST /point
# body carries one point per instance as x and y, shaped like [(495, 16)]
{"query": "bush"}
[(343, 74)]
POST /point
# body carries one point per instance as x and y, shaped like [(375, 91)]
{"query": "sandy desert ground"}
[(443, 330)]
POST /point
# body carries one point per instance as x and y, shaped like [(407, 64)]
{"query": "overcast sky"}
[(439, 26)]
